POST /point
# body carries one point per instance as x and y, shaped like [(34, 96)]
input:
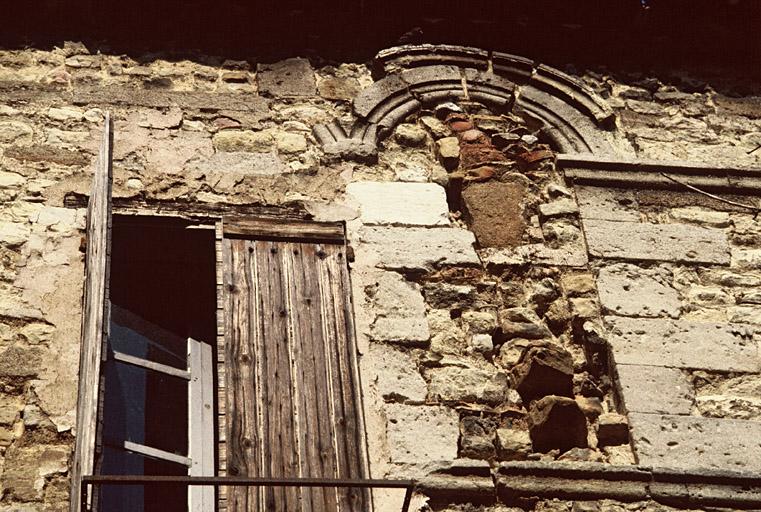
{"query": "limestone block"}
[(513, 444), (289, 143), (456, 384), (13, 234), (694, 443), (10, 179), (419, 249), (398, 308), (577, 284), (395, 373), (561, 207), (290, 77), (65, 114), (495, 212), (655, 389), (656, 242), (480, 322), (748, 259), (15, 132), (244, 141), (606, 204), (682, 344), (411, 135), (408, 425), (401, 204), (448, 149), (629, 290), (446, 336)]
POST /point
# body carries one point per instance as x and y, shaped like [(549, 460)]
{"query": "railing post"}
[(82, 495)]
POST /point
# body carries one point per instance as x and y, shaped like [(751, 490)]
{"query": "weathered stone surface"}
[(456, 384), (289, 143), (13, 234), (737, 398), (584, 307), (447, 337), (495, 212), (557, 422), (46, 153), (448, 149), (606, 204), (748, 259), (612, 429), (697, 215), (577, 284), (398, 309), (16, 132), (693, 443), (480, 321), (396, 374), (656, 242), (401, 204), (476, 438), (513, 444), (419, 248), (682, 344), (629, 290), (20, 361), (242, 164), (521, 323), (244, 140), (405, 423), (561, 207), (543, 369), (25, 469), (290, 77), (160, 120), (655, 389), (410, 135), (440, 294)]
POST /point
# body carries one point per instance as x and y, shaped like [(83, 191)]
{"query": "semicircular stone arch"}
[(572, 118)]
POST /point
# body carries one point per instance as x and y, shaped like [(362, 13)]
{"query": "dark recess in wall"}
[(663, 32)]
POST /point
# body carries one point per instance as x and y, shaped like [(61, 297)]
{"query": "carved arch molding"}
[(409, 78)]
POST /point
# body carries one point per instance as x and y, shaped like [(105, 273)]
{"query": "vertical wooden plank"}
[(339, 353), (94, 315), (221, 402), (200, 424), (313, 390), (282, 448), (242, 435)]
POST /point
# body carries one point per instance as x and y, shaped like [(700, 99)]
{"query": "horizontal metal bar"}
[(151, 365), (243, 481)]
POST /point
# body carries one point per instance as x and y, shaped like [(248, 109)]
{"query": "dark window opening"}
[(160, 350)]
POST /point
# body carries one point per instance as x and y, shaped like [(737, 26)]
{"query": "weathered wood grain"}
[(284, 229), (94, 315), (288, 303)]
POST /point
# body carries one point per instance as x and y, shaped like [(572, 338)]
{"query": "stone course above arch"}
[(409, 78)]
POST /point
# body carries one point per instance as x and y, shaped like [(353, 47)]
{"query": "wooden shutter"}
[(292, 385), (94, 314)]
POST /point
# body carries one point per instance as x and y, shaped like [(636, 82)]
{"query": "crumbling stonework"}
[(490, 290)]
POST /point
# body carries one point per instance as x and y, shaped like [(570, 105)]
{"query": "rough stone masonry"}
[(507, 317)]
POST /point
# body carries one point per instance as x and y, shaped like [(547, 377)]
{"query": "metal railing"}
[(221, 481)]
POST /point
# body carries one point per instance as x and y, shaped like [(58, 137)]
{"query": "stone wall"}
[(492, 297)]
